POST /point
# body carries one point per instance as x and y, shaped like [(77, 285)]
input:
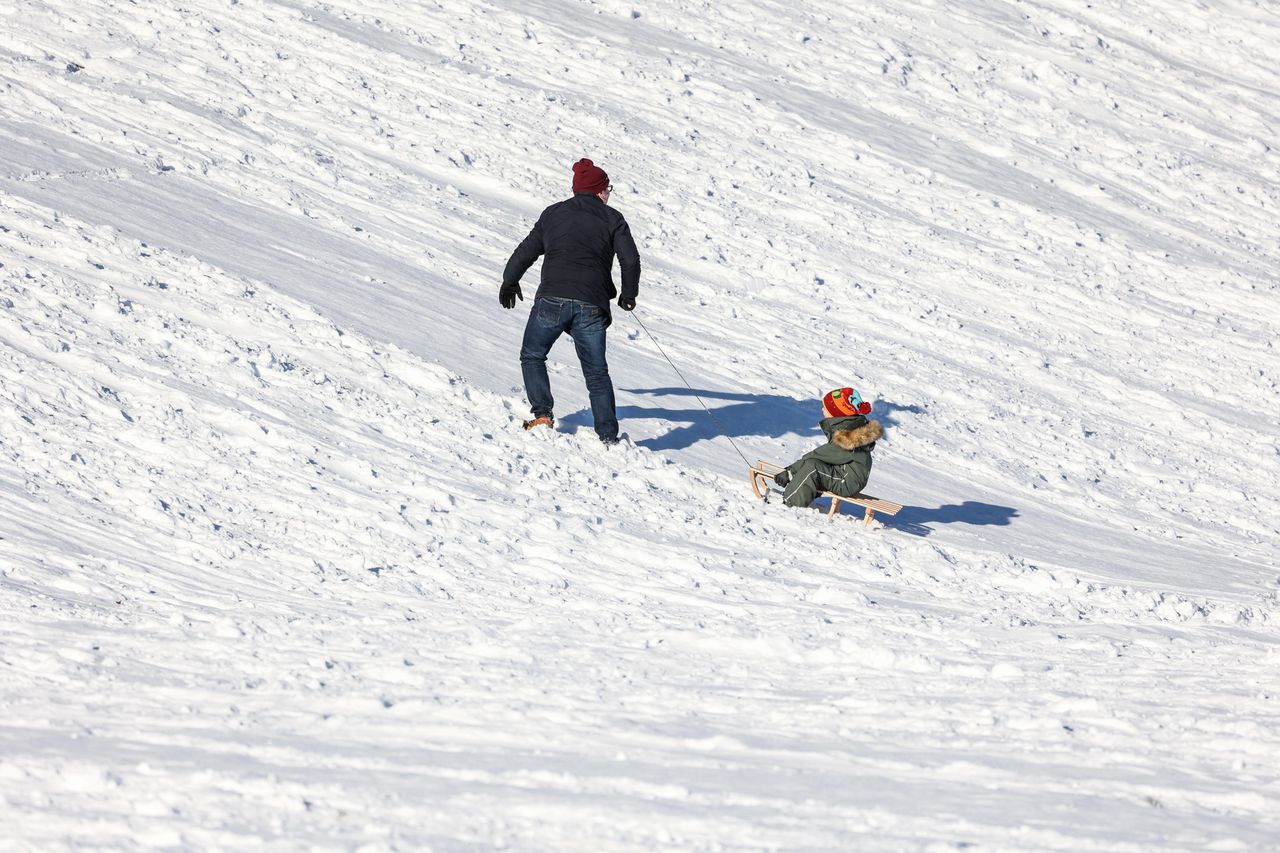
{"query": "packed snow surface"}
[(278, 568)]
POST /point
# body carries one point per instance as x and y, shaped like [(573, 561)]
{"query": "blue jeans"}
[(586, 324)]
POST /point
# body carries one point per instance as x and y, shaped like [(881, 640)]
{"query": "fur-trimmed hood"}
[(860, 436)]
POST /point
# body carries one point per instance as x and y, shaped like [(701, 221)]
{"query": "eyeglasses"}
[(609, 188)]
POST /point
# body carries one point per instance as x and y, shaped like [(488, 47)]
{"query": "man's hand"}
[(508, 294), (782, 477), (627, 303)]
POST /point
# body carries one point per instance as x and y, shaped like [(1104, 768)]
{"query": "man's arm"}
[(628, 262), (529, 250)]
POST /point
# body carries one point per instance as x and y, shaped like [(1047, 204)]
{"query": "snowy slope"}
[(276, 565)]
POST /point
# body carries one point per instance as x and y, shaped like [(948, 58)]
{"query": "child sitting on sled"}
[(843, 464)]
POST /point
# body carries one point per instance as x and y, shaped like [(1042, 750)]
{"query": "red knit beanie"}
[(844, 402), (589, 178)]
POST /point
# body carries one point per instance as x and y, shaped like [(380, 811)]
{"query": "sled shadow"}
[(916, 519), (745, 415)]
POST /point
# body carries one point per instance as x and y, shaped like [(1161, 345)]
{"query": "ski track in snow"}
[(278, 567)]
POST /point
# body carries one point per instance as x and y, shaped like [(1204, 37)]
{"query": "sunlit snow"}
[(280, 570)]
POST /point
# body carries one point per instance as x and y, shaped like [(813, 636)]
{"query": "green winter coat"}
[(842, 465)]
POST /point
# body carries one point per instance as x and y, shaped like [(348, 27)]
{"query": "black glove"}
[(627, 303), (782, 478), (507, 294)]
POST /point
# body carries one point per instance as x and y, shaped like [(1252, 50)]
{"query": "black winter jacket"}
[(579, 237)]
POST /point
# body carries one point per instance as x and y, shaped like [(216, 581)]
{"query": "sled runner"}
[(763, 471)]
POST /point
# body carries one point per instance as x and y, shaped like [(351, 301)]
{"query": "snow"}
[(278, 568)]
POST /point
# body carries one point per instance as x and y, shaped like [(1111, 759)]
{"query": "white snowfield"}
[(279, 570)]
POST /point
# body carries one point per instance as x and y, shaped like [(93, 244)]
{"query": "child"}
[(843, 464)]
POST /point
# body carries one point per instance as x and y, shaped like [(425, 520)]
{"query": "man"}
[(580, 237)]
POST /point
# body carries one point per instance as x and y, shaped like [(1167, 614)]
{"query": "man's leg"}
[(588, 332), (540, 332)]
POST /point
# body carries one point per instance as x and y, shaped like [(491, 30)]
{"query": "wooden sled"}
[(762, 471)]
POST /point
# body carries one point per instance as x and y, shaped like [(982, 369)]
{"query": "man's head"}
[(590, 178), (843, 402)]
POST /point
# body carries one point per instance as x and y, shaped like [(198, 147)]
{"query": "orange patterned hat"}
[(843, 402)]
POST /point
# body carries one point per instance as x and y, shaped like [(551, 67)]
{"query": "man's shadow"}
[(771, 415)]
